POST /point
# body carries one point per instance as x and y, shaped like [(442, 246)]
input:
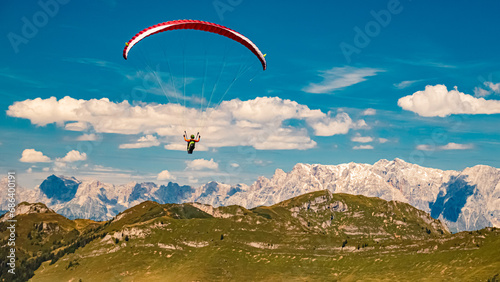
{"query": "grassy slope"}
[(268, 243), (228, 260), (37, 236)]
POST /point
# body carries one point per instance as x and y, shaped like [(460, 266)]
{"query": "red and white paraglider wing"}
[(196, 25)]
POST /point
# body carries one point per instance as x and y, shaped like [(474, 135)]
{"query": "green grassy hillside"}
[(39, 236), (314, 237)]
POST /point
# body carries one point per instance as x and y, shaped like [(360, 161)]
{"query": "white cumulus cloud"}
[(202, 164), (438, 101), (255, 123), (165, 175), (33, 156), (340, 124), (73, 156), (369, 112), (143, 142), (337, 78), (361, 139)]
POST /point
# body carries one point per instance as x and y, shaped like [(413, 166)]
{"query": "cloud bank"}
[(259, 123)]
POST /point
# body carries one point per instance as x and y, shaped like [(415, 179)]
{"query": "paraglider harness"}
[(191, 142)]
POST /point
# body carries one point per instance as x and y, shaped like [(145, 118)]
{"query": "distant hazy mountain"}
[(464, 200)]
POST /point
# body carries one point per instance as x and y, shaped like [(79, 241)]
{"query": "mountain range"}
[(463, 200), (318, 236)]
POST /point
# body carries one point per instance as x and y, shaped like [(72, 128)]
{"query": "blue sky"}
[(346, 81)]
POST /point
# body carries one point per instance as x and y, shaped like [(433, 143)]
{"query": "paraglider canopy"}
[(196, 25)]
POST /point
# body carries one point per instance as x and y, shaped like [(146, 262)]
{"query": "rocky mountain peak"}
[(27, 208), (59, 188)]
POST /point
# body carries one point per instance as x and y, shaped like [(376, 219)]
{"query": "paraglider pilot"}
[(191, 142)]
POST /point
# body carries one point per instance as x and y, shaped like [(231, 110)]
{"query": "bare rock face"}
[(47, 227)]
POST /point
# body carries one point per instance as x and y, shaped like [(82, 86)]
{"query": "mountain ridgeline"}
[(316, 236), (464, 200)]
